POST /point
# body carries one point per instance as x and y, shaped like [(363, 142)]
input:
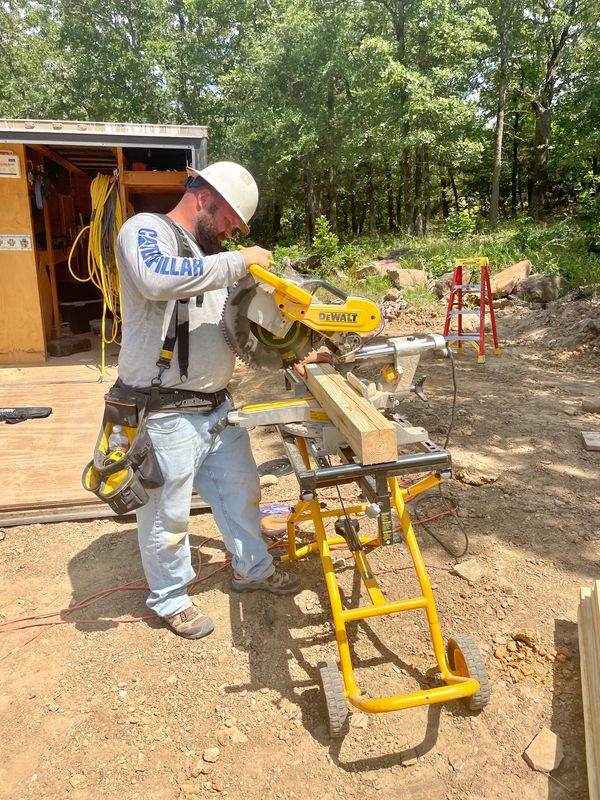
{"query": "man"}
[(193, 450)]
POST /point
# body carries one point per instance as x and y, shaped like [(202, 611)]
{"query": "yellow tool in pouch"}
[(121, 477)]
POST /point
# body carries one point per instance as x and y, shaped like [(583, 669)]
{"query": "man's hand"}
[(321, 356), (257, 255)]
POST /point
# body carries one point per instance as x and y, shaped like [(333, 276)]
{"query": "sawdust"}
[(122, 711)]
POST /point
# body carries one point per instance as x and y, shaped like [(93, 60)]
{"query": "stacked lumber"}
[(370, 435), (589, 653)]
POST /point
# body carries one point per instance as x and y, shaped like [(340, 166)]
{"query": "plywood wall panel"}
[(22, 337)]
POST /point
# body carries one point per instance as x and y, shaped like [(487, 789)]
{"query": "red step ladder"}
[(455, 307)]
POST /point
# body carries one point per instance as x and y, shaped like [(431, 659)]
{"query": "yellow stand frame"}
[(457, 685)]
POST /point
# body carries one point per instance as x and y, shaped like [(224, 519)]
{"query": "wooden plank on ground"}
[(591, 440), (589, 652), (68, 512), (370, 435)]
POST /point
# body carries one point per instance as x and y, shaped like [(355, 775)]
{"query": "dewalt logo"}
[(337, 316)]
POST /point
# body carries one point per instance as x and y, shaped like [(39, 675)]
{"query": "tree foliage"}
[(375, 114)]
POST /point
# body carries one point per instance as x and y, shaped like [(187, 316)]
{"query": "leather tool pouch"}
[(120, 478)]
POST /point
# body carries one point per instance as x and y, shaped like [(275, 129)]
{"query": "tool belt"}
[(121, 478), (179, 399)]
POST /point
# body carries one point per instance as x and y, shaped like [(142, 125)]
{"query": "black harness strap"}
[(183, 337), (179, 324)]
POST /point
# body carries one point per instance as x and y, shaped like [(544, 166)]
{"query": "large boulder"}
[(503, 283), (441, 286), (406, 278), (539, 288), (393, 270), (367, 271), (305, 265)]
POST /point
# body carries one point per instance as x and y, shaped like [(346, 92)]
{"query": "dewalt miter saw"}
[(272, 322)]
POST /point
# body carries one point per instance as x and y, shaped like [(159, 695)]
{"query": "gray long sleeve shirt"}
[(153, 277)]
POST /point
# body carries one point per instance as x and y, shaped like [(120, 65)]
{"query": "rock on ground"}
[(504, 282), (539, 288), (545, 752)]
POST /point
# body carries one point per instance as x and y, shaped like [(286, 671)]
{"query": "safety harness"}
[(179, 324), (121, 478)]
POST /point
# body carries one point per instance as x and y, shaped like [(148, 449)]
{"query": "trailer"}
[(46, 171)]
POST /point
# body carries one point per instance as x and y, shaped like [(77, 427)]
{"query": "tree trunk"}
[(417, 220), (276, 220), (390, 199), (406, 192), (504, 46), (332, 178), (426, 189), (372, 204), (332, 198), (454, 191), (361, 221), (541, 150), (515, 164), (515, 178), (542, 107), (353, 215), (310, 214), (444, 196)]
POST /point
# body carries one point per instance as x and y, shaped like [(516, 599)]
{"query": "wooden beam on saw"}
[(370, 435)]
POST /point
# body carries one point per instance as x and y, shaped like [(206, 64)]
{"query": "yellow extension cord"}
[(105, 276)]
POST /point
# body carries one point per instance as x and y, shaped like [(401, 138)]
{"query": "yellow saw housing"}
[(356, 314)]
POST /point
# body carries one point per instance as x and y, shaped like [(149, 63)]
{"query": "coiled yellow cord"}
[(103, 271)]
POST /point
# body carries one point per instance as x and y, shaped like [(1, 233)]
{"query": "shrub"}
[(326, 243), (462, 222)]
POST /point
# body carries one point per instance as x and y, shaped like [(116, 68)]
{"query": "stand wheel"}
[(335, 699), (465, 659)]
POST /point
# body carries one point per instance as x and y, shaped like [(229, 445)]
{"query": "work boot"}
[(277, 583), (190, 623)]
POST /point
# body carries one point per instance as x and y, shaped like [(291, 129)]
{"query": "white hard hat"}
[(235, 185)]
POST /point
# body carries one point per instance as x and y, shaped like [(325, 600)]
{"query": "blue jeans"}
[(221, 468)]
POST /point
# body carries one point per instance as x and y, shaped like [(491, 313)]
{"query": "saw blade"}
[(255, 345)]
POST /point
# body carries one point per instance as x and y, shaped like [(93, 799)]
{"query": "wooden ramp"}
[(41, 460)]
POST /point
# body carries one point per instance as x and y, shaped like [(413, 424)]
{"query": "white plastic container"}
[(118, 440)]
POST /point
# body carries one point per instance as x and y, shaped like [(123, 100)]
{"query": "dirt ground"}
[(98, 707)]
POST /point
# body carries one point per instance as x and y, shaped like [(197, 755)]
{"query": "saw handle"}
[(288, 290), (317, 283)]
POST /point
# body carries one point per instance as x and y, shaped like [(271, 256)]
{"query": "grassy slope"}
[(560, 247)]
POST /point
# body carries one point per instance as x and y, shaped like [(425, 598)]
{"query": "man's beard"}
[(206, 232)]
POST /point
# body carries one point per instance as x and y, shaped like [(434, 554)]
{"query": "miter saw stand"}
[(309, 439)]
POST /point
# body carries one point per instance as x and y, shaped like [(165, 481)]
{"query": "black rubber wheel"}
[(335, 699), (277, 466), (465, 659)]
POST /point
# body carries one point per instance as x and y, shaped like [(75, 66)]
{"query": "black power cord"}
[(448, 505), (454, 396)]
